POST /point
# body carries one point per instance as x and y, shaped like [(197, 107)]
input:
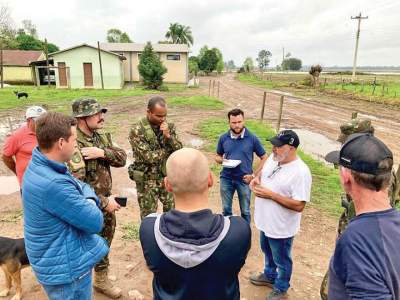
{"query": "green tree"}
[(28, 42), (52, 48), (263, 59), (115, 35), (7, 30), (220, 64), (193, 65), (292, 64), (150, 68), (179, 34), (208, 61), (202, 51), (248, 64)]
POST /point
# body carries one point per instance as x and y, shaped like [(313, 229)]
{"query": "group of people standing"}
[(69, 214)]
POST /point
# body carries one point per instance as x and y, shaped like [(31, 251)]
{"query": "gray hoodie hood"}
[(188, 239)]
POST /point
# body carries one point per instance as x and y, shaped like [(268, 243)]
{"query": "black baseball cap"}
[(362, 152), (285, 137)]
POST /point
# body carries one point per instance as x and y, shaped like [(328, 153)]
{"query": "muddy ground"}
[(312, 247)]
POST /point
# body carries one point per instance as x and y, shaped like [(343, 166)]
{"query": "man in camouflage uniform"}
[(357, 126), (91, 163), (153, 140)]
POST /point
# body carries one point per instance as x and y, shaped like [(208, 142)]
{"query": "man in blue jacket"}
[(193, 253), (61, 214)]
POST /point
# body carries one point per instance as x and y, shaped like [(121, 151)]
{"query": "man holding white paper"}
[(235, 151)]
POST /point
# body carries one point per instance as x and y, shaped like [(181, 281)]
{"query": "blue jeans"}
[(227, 189), (278, 260), (80, 289)]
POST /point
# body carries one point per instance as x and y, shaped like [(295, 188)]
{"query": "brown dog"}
[(12, 259)]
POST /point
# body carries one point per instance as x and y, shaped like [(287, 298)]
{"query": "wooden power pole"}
[(101, 67), (46, 52), (359, 18), (1, 64)]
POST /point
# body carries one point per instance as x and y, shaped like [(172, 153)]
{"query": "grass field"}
[(203, 102), (326, 188), (59, 98), (381, 88)]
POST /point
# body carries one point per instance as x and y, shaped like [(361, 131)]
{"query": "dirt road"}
[(312, 247), (321, 114)]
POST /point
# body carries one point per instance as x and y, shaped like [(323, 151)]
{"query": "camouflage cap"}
[(85, 107), (355, 126)]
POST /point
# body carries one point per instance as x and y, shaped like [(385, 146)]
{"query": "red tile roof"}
[(20, 57)]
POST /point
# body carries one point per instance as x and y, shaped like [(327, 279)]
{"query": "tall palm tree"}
[(179, 34)]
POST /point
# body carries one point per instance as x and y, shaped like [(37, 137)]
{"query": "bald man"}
[(193, 253)]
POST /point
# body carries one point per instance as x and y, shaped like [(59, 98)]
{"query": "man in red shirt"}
[(17, 150)]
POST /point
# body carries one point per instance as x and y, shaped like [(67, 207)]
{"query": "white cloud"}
[(317, 32)]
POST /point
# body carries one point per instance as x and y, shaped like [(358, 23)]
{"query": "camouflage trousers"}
[(149, 193), (107, 233)]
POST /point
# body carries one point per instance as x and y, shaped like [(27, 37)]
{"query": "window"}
[(173, 57)]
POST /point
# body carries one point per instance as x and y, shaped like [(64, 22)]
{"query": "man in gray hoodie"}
[(193, 253)]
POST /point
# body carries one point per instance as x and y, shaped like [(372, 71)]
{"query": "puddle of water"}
[(292, 100), (315, 144), (367, 116), (196, 143), (8, 185), (281, 93)]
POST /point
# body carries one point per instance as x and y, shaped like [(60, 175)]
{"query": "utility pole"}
[(359, 18), (1, 64), (101, 67), (46, 52)]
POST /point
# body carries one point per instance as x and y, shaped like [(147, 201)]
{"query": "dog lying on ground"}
[(12, 259), (21, 94)]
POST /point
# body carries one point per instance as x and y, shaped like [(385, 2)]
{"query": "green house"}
[(79, 67)]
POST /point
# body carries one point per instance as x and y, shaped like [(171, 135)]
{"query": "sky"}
[(314, 31)]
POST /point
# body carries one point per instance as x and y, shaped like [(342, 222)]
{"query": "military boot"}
[(103, 285)]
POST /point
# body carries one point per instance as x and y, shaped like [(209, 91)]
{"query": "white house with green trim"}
[(79, 67)]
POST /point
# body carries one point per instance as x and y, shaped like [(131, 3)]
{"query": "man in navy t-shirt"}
[(238, 144), (366, 262)]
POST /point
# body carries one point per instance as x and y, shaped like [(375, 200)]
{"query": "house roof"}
[(20, 57), (86, 45), (136, 47)]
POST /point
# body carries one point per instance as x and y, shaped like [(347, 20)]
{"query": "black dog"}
[(12, 259), (21, 94)]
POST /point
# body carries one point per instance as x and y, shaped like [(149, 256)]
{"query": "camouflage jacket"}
[(150, 150), (97, 172)]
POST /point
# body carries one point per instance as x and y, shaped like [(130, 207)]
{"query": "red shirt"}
[(20, 144)]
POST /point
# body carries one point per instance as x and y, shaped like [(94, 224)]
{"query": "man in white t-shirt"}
[(282, 189)]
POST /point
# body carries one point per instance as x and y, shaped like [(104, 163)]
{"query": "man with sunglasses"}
[(282, 189), (92, 164)]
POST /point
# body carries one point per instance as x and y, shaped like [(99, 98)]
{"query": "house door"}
[(62, 74), (88, 74)]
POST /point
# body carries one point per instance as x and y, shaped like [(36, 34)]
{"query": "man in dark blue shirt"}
[(237, 144), (193, 253), (366, 262)]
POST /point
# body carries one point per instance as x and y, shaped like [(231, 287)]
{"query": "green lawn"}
[(386, 89), (59, 98), (203, 102), (326, 188), (250, 78)]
